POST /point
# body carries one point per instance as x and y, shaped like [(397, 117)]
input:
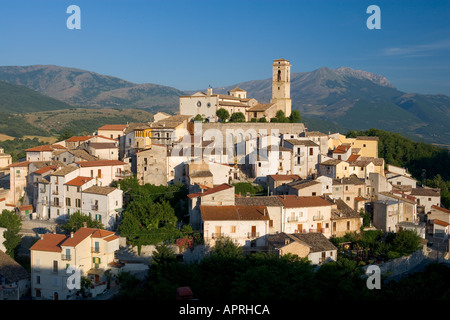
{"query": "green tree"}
[(237, 117), (77, 221), (163, 254), (223, 114), (295, 117), (11, 221), (198, 117), (280, 116), (225, 247)]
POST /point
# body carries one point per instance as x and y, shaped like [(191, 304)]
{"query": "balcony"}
[(322, 230), (123, 174), (317, 218), (217, 235), (55, 193), (66, 257), (95, 250), (251, 235), (301, 231), (94, 207), (292, 219)]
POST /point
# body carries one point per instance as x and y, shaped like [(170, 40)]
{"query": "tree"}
[(295, 117), (11, 221), (77, 220), (226, 248), (198, 117), (237, 117), (163, 255), (280, 117), (223, 114)]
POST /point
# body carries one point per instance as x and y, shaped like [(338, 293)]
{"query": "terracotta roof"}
[(49, 148), (113, 127), (40, 148), (19, 164), (83, 233), (293, 201), (441, 223), (221, 187), (99, 163), (284, 177), (78, 138), (353, 157), (50, 242), (440, 208), (46, 169), (78, 181), (341, 149), (220, 213)]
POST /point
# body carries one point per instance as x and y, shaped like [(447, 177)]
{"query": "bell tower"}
[(281, 85)]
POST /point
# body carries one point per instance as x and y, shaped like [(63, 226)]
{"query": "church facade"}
[(207, 103)]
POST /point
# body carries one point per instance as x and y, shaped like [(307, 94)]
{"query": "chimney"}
[(209, 91), (71, 234), (85, 224)]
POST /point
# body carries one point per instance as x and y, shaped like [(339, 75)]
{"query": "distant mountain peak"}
[(376, 78)]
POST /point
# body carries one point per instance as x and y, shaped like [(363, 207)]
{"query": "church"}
[(207, 103)]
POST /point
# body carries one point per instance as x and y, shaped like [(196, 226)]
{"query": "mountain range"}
[(341, 98)]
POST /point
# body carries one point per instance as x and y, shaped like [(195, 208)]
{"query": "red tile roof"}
[(293, 201), (221, 187), (341, 149), (54, 242), (353, 157), (78, 138), (220, 213), (440, 208), (441, 223), (78, 181), (46, 169), (19, 164), (50, 242), (113, 127), (99, 163), (284, 177)]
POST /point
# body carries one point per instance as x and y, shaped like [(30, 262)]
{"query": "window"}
[(78, 203), (99, 173), (38, 279), (311, 151), (55, 266), (233, 229), (348, 225), (68, 202)]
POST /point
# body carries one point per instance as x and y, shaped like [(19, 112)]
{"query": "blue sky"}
[(190, 44)]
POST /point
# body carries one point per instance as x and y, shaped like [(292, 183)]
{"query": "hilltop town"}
[(311, 187)]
